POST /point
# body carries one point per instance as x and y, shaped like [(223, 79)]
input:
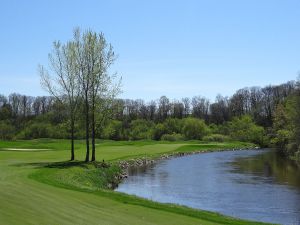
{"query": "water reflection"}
[(269, 167), (257, 185)]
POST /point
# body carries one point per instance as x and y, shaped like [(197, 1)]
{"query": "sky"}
[(173, 48)]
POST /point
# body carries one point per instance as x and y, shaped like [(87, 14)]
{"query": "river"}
[(250, 184)]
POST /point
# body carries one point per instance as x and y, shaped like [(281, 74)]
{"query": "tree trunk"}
[(72, 139), (93, 133), (87, 136), (93, 143)]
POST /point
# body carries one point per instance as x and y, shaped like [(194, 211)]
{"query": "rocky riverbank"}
[(144, 161)]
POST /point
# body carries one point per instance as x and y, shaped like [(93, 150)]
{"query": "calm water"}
[(255, 184)]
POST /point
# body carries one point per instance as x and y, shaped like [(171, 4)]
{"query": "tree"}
[(219, 112), (152, 110), (282, 128), (3, 100), (15, 101), (6, 130), (200, 107), (244, 129), (186, 105), (94, 56), (163, 107), (194, 128), (177, 109), (63, 82), (141, 129)]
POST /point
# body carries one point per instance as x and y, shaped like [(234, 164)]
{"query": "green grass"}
[(41, 187)]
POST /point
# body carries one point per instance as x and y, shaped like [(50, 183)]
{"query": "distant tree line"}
[(259, 103), (250, 114)]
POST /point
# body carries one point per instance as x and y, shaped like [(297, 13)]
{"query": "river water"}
[(254, 184)]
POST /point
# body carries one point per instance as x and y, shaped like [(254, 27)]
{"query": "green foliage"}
[(281, 139), (172, 125), (169, 127), (38, 130), (194, 129), (172, 137), (35, 130), (287, 127), (5, 112), (244, 129), (7, 131), (282, 129), (158, 131), (140, 129), (113, 130), (216, 138), (297, 155), (293, 110)]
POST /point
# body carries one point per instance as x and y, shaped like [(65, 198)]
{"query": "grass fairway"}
[(29, 195)]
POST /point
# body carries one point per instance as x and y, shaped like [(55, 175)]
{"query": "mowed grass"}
[(29, 195)]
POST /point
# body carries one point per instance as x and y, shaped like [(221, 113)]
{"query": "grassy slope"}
[(28, 201)]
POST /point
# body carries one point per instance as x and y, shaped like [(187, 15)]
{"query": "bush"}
[(7, 131), (37, 130), (194, 128), (158, 131), (113, 130), (297, 155), (244, 129), (141, 129), (216, 138), (172, 137), (172, 125)]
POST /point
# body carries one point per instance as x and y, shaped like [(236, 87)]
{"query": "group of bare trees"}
[(259, 102), (256, 101), (24, 106), (79, 77)]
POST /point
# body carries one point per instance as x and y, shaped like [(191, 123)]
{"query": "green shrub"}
[(158, 131), (216, 138), (7, 131), (244, 129), (37, 130), (194, 129), (113, 130), (172, 137), (141, 129), (297, 155), (172, 125)]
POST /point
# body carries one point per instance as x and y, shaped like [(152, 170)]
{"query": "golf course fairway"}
[(32, 192)]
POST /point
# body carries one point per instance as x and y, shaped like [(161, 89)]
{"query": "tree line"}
[(250, 114), (258, 102)]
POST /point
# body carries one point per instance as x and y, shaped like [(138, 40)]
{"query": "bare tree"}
[(163, 107), (15, 102), (200, 107), (186, 103)]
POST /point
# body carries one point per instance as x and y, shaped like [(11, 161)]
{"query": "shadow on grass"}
[(64, 164)]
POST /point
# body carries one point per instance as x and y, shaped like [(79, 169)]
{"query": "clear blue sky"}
[(172, 48)]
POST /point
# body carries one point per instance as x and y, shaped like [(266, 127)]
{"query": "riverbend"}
[(255, 184)]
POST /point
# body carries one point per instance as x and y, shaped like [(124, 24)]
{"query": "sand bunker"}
[(25, 149)]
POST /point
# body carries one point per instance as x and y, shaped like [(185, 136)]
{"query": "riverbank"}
[(141, 162), (42, 187)]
